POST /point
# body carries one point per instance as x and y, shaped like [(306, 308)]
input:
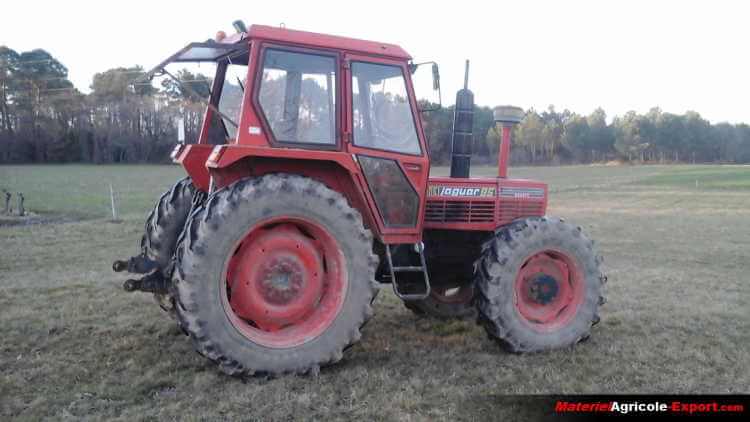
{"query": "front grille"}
[(511, 210), (441, 211)]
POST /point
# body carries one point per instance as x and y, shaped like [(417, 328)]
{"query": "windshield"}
[(382, 115), (190, 88)]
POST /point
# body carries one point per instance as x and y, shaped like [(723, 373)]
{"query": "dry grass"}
[(74, 345)]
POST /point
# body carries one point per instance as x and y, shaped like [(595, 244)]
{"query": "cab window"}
[(223, 126), (298, 96), (381, 114), (230, 101)]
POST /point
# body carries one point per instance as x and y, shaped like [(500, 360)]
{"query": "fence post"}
[(21, 210), (112, 201), (7, 202)]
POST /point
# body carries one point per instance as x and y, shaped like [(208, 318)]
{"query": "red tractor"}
[(309, 185)]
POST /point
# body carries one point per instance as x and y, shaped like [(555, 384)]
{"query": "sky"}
[(620, 55)]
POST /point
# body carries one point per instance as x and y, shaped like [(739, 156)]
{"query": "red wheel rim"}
[(548, 290), (285, 282)]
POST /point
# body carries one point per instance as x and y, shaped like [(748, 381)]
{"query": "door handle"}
[(412, 167)]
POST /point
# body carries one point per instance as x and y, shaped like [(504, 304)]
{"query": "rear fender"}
[(336, 170), (193, 158)]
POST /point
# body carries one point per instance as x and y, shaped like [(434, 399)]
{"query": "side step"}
[(412, 269)]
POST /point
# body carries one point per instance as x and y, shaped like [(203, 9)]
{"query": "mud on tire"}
[(506, 255), (210, 241)]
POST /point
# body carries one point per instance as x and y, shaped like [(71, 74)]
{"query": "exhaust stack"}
[(463, 123)]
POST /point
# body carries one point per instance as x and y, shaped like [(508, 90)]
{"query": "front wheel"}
[(539, 286), (275, 274)]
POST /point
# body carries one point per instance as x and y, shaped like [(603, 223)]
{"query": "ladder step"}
[(422, 269), (408, 269), (412, 297)]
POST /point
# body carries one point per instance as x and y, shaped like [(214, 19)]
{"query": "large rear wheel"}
[(274, 275), (539, 286)]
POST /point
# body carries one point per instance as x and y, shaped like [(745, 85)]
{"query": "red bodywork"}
[(481, 204), (255, 152)]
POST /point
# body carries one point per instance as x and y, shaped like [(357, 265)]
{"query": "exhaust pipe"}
[(463, 124)]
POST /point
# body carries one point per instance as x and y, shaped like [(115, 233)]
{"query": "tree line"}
[(45, 119), (553, 137)]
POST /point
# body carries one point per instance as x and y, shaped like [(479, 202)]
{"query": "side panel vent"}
[(510, 210), (446, 211)]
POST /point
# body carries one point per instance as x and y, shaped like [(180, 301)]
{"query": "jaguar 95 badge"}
[(477, 192)]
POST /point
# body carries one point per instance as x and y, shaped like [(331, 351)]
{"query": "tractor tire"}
[(165, 223), (446, 302), (539, 286), (274, 275)]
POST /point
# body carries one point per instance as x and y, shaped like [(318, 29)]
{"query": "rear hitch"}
[(150, 283), (139, 264)]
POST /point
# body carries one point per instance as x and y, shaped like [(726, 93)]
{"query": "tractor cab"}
[(338, 109)]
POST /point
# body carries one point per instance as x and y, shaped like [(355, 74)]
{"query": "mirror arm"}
[(435, 83)]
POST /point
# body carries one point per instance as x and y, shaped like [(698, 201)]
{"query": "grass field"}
[(74, 345)]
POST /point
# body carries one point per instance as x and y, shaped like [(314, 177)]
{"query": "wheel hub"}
[(285, 282), (278, 280), (542, 288), (548, 290)]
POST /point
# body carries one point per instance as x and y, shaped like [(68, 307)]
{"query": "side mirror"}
[(425, 92), (239, 26), (435, 77)]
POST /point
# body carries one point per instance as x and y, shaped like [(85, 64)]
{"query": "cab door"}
[(384, 132)]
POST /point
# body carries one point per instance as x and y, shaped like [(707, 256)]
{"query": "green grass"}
[(82, 191), (73, 345), (703, 177)]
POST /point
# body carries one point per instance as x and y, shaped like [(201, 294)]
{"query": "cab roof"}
[(312, 39)]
